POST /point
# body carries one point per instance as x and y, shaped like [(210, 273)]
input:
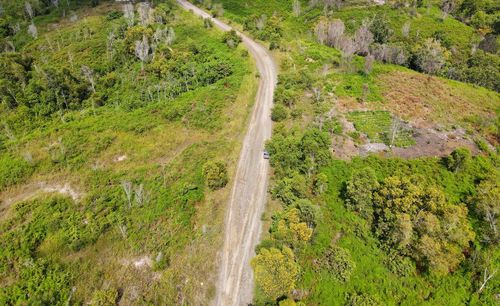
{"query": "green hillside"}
[(350, 244), (121, 127)]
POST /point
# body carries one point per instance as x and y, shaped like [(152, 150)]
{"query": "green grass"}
[(379, 126)]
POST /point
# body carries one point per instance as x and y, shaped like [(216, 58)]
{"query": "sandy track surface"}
[(248, 197)]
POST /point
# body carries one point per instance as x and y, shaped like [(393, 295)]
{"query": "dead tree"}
[(129, 14), (29, 10), (89, 75), (142, 50), (144, 11), (363, 38), (297, 9)]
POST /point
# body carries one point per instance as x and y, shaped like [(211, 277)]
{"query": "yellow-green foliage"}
[(215, 174), (420, 223), (275, 271), (291, 228), (104, 297)]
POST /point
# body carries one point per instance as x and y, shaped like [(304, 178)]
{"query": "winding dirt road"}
[(248, 197)]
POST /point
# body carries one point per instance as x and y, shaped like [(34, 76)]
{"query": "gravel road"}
[(246, 205)]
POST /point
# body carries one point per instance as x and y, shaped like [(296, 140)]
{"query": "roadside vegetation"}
[(351, 224), (127, 118)]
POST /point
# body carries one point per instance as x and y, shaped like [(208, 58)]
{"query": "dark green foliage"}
[(320, 184), (114, 15), (338, 262), (458, 159), (480, 68), (232, 39), (305, 152), (279, 113), (381, 29), (215, 174), (308, 212), (290, 189)]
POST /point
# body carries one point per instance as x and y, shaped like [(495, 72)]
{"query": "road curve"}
[(248, 197)]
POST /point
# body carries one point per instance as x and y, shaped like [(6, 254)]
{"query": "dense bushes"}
[(41, 280), (215, 175), (338, 262)]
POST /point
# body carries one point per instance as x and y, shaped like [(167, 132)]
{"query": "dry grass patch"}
[(427, 101)]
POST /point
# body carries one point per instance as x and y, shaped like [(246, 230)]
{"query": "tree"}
[(217, 10), (448, 7), (320, 184), (431, 56), (368, 67), (144, 10), (29, 10), (348, 48), (278, 113), (380, 29), (405, 29), (32, 30), (315, 146), (290, 228), (232, 39), (89, 75), (330, 33), (290, 189), (297, 10), (275, 271), (359, 192), (488, 207), (142, 50), (338, 262), (215, 174), (458, 159), (129, 13)]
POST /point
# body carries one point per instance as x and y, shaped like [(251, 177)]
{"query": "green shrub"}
[(279, 113), (361, 299), (338, 262), (114, 15), (458, 159), (232, 39), (104, 297), (215, 174)]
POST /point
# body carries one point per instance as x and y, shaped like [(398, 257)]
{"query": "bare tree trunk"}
[(486, 278)]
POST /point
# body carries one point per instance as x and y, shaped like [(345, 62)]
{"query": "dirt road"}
[(248, 197)]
